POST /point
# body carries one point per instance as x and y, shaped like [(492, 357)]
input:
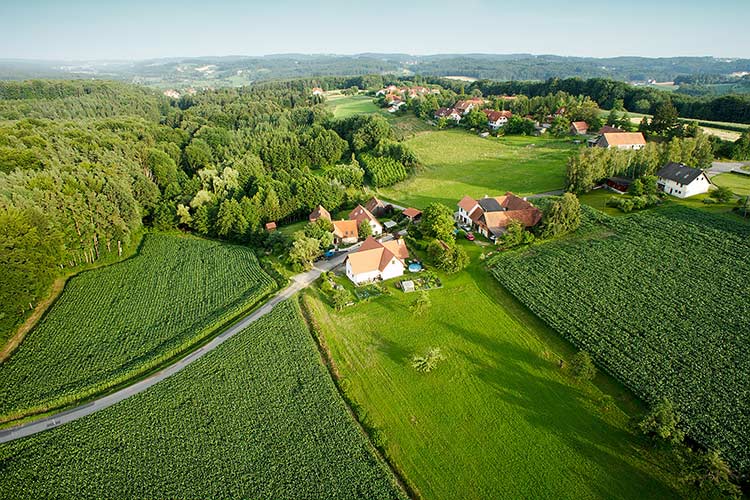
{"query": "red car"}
[(470, 236)]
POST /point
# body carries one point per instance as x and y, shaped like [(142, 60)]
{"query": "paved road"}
[(720, 167), (299, 282)]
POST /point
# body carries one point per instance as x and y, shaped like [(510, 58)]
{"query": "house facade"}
[(345, 232), (376, 260), (679, 180), (497, 119), (579, 128), (360, 214), (448, 113), (319, 213)]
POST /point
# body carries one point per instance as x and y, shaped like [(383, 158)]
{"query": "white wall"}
[(698, 186), (394, 269), (377, 229)]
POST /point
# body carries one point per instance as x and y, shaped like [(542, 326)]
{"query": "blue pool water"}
[(415, 267)]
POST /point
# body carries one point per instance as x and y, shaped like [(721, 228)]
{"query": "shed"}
[(270, 226), (407, 286), (389, 224)]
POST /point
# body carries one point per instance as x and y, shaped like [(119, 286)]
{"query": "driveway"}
[(298, 282)]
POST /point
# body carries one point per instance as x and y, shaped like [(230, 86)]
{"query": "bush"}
[(582, 367)]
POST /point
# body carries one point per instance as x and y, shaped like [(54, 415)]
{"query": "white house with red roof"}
[(497, 119), (376, 260), (490, 216), (449, 114)]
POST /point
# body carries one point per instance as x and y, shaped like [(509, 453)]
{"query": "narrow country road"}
[(299, 282)]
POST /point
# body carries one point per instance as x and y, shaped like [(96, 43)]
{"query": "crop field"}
[(345, 106), (117, 322), (660, 300), (497, 418), (258, 417), (459, 163), (738, 183)]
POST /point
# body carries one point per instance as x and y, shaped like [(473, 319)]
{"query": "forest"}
[(88, 171)]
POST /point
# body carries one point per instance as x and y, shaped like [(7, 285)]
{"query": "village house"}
[(377, 207), (682, 181), (497, 119), (172, 94), (490, 216), (319, 213), (317, 91), (621, 140), (579, 128), (376, 260), (448, 113), (466, 105), (412, 214), (345, 232), (361, 214)]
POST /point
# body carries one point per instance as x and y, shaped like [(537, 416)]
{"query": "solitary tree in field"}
[(662, 423), (421, 304), (712, 476), (429, 361), (339, 298), (437, 222)]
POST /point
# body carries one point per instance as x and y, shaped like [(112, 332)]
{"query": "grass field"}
[(459, 163), (738, 183), (345, 106), (659, 298), (257, 418), (498, 418), (115, 323), (598, 199)]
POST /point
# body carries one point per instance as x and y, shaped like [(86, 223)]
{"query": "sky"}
[(141, 29)]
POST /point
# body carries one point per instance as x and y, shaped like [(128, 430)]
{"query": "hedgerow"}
[(115, 323), (259, 417), (661, 300)]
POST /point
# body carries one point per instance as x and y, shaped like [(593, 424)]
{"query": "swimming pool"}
[(415, 267)]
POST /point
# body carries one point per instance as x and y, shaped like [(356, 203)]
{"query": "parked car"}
[(470, 236)]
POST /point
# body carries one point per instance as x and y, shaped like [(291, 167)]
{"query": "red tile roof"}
[(412, 212)]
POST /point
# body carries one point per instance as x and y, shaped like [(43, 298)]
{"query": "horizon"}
[(368, 53), (84, 30)]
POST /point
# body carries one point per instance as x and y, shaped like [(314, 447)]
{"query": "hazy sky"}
[(138, 29)]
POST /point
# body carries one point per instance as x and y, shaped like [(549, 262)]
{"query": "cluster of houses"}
[(490, 216), (395, 97), (374, 259), (460, 109)]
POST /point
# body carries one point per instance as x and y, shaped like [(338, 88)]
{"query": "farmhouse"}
[(361, 214), (621, 140), (376, 260), (682, 181), (377, 207), (467, 105), (319, 213), (412, 214), (345, 231), (609, 129), (497, 119), (317, 91), (449, 113), (579, 128), (490, 216)]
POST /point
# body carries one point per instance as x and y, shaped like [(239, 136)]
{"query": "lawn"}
[(738, 183), (459, 163), (345, 106), (659, 298), (259, 417), (497, 418), (116, 323)]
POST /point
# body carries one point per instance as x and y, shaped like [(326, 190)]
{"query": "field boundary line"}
[(327, 360)]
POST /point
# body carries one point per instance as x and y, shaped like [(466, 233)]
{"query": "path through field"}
[(299, 282)]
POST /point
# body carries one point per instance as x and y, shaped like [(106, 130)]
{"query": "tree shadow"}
[(561, 410)]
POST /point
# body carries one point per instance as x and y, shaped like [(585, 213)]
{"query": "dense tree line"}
[(220, 163), (592, 165)]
